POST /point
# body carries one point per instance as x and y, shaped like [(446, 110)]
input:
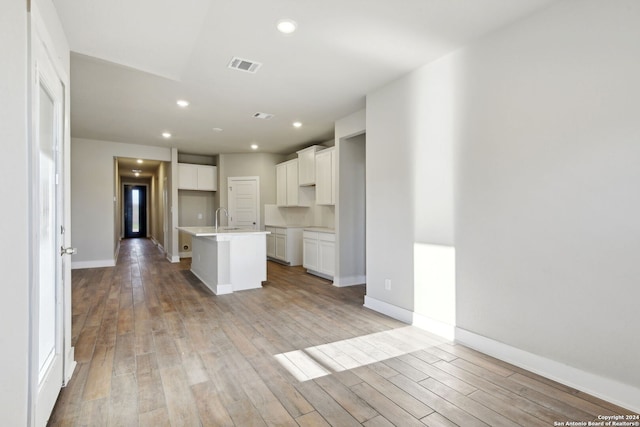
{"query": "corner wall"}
[(535, 132), (94, 196)]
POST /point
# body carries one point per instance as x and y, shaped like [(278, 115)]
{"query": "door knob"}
[(68, 251)]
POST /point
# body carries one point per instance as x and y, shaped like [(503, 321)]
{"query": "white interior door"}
[(244, 202), (47, 297)]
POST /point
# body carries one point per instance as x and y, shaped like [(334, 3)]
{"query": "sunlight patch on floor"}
[(325, 359)]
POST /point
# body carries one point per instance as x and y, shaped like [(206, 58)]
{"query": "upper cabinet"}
[(307, 165), (288, 191), (326, 177), (197, 177)]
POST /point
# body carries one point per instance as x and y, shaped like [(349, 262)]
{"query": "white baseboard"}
[(390, 310), (434, 326), (324, 276), (185, 254), (78, 265), (117, 252), (613, 391), (349, 281), (219, 289), (70, 366), (173, 258)]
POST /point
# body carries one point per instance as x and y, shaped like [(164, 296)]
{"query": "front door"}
[(244, 202), (135, 211), (47, 297)]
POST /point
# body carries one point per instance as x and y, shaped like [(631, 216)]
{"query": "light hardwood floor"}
[(156, 348)]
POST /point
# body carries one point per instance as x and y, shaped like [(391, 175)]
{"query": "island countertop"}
[(226, 231)]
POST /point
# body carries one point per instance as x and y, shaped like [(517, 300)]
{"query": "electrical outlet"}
[(387, 284), (199, 216)]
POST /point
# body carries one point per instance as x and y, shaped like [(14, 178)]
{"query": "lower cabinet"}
[(284, 244), (319, 253)]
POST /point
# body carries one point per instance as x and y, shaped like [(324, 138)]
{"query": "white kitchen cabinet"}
[(307, 165), (271, 242), (325, 177), (288, 192), (284, 244), (319, 255), (293, 198), (310, 250), (197, 177)]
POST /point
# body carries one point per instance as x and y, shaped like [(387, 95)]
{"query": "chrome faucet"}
[(226, 212)]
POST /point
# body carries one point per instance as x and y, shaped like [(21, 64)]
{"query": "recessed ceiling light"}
[(254, 146), (136, 170), (182, 103), (217, 129), (137, 173), (166, 135), (297, 124), (286, 26), (140, 161)]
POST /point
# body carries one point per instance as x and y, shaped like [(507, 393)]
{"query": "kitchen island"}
[(228, 259)]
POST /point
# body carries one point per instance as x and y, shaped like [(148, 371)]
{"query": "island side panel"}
[(249, 261), (210, 263)]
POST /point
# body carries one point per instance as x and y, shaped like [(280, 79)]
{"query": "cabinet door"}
[(187, 176), (307, 167), (324, 177), (326, 257), (292, 183), (281, 247), (281, 185), (207, 178), (310, 252), (271, 243)]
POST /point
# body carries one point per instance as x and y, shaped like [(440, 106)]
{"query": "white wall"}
[(351, 259), (535, 133), (14, 226), (250, 164), (93, 195), (390, 193), (547, 228)]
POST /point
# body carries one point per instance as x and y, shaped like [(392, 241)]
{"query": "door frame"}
[(147, 208), (122, 204), (230, 181), (41, 44)]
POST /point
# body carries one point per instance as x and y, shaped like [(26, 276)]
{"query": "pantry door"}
[(47, 292), (244, 202)]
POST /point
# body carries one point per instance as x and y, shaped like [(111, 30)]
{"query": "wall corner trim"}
[(390, 310), (349, 281), (613, 391), (436, 327)]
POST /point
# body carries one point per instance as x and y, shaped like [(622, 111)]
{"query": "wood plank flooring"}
[(156, 348)]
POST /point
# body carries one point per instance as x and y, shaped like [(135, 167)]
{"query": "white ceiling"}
[(132, 59)]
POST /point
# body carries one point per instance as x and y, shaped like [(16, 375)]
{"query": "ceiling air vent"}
[(244, 65), (263, 116)]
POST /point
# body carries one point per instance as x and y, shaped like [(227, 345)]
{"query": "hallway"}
[(155, 348)]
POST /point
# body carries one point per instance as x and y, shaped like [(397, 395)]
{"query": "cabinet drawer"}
[(281, 231), (270, 229), (327, 237)]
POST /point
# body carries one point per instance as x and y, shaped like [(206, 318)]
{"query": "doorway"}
[(135, 211)]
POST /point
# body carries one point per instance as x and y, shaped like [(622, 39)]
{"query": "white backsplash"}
[(318, 216)]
